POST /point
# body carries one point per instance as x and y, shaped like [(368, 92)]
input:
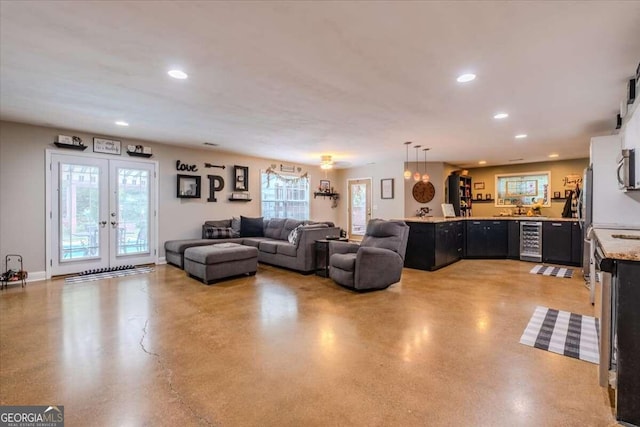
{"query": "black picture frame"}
[(325, 185), (556, 194), (387, 188), (240, 178), (479, 196), (188, 186), (567, 193), (488, 196)]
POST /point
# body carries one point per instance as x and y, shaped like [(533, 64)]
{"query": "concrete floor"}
[(283, 349)]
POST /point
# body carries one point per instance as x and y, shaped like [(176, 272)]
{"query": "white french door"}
[(102, 213), (359, 207)]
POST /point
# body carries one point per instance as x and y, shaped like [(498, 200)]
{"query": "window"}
[(523, 189), (284, 196)]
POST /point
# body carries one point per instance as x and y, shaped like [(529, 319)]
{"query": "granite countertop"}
[(618, 248), (436, 219)]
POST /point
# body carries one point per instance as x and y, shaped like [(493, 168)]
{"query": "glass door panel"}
[(132, 214), (359, 207), (78, 214)]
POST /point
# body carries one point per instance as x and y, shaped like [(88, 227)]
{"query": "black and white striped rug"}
[(562, 332), (107, 275), (547, 270)]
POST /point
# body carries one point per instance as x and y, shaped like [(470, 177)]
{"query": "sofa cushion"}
[(254, 241), (288, 249), (269, 246), (251, 227), (179, 246), (217, 232), (222, 223), (273, 228), (345, 262), (289, 225)]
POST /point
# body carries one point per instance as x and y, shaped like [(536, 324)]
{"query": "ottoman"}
[(214, 262)]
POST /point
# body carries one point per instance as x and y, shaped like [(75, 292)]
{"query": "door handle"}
[(102, 224), (114, 224)]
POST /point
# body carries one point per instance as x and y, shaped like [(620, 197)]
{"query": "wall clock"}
[(423, 192)]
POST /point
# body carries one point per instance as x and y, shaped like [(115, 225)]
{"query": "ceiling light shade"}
[(326, 162), (465, 78), (122, 123), (554, 155), (500, 116), (407, 172), (482, 162), (178, 74), (521, 136)]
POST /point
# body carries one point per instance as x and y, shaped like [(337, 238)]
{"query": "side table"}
[(322, 255)]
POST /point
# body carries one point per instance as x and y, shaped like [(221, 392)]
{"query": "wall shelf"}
[(323, 194), (71, 146), (134, 154), (483, 200), (231, 199)]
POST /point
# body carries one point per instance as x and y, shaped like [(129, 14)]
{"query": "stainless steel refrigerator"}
[(585, 215)]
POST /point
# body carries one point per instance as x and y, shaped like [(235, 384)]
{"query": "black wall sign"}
[(186, 168), (216, 183)]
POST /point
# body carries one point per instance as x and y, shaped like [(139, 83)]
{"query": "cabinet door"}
[(442, 244), (420, 246), (497, 239), (476, 239), (514, 240), (458, 229), (556, 242), (577, 243)]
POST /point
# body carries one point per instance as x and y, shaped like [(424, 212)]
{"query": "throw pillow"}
[(251, 227), (218, 233), (235, 226), (293, 236)]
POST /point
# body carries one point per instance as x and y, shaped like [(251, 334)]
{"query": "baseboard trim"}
[(161, 260), (37, 276)]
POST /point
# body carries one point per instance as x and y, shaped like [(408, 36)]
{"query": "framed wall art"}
[(386, 188)]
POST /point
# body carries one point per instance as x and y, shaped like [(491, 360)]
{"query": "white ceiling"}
[(294, 80)]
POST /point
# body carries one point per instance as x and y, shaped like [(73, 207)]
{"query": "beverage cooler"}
[(531, 241)]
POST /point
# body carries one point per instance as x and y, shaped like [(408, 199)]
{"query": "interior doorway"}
[(359, 206), (101, 213)]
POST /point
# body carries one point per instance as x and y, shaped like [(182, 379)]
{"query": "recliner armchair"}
[(376, 263)]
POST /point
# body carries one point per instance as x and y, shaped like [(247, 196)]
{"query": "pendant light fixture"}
[(407, 172), (425, 176), (416, 175)]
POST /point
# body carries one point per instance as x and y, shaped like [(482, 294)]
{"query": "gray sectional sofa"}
[(272, 240)]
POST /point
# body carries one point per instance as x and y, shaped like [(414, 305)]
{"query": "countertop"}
[(436, 219), (617, 248)]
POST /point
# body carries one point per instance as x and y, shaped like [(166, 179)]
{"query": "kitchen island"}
[(617, 255), (435, 242)]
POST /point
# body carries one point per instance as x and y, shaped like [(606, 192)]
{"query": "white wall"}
[(22, 189), (381, 208)]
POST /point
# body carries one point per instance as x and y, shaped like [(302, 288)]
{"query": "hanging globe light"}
[(416, 175), (407, 172), (425, 176)]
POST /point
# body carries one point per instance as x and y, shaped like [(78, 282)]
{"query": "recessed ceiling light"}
[(482, 162), (122, 123), (521, 136), (178, 74), (465, 78), (554, 155), (501, 116)]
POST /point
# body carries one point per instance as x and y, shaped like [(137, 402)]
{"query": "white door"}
[(359, 207), (102, 213)]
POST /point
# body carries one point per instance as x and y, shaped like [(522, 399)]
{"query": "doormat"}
[(547, 270), (83, 277), (562, 332)]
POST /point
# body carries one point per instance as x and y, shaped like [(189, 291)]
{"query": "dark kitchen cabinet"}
[(577, 242), (556, 242), (486, 239), (433, 245), (513, 245)]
